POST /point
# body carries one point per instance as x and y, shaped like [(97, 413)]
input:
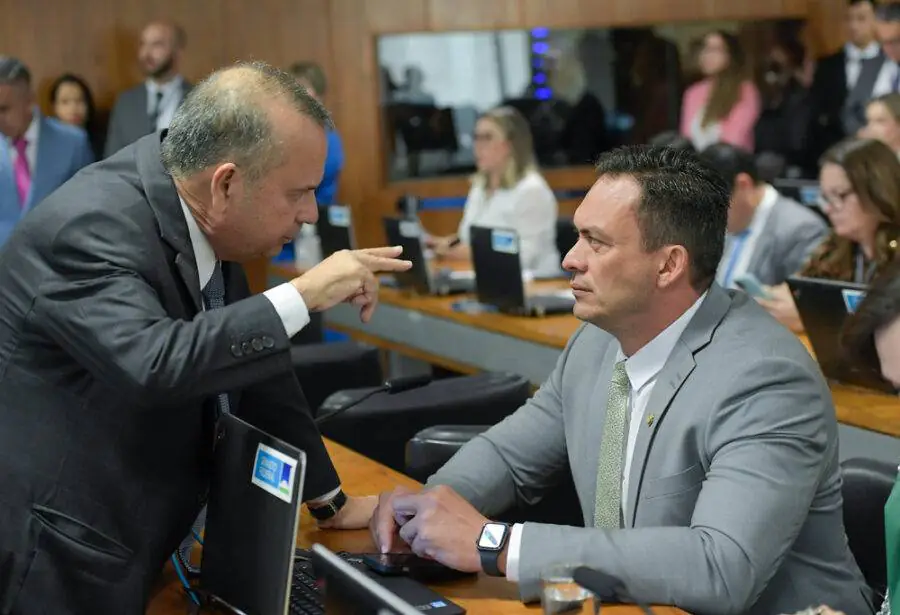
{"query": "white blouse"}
[(529, 208)]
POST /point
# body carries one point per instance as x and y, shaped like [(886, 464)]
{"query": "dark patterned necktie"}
[(214, 296)]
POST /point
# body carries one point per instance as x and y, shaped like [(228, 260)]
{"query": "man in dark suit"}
[(844, 82), (37, 153), (126, 329), (149, 107)]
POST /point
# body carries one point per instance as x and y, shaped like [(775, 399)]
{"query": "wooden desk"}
[(362, 476)]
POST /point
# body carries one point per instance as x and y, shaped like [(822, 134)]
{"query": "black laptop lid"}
[(498, 271), (335, 229), (252, 518), (823, 306), (408, 234)]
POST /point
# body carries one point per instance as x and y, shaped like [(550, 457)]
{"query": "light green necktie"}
[(608, 501)]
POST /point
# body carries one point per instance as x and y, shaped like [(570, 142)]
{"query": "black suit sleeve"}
[(98, 305), (278, 407)]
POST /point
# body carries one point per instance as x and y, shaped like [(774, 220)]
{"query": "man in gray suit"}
[(149, 107), (700, 433), (769, 235)]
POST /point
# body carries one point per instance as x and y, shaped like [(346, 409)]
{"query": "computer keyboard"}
[(306, 597)]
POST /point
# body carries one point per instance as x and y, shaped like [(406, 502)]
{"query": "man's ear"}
[(224, 186), (674, 264)]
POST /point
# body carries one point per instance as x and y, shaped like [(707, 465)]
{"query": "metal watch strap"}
[(327, 511)]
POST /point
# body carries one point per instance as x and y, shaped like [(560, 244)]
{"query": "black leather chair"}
[(566, 235), (323, 369), (431, 448), (380, 426), (867, 485)]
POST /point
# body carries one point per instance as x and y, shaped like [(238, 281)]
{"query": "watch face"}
[(492, 536)]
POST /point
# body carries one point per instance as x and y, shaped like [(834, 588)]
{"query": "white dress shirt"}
[(32, 134), (853, 57), (884, 84), (642, 368), (746, 249), (529, 208), (168, 104), (284, 298)]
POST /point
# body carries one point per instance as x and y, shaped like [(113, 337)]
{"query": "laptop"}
[(422, 277), (335, 229), (250, 563), (823, 306), (499, 280)]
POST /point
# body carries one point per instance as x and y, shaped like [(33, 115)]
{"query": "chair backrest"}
[(867, 485), (566, 235)]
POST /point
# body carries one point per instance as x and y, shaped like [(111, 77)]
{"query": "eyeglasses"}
[(835, 201)]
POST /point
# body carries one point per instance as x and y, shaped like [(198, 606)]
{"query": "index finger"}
[(408, 505), (377, 264), (385, 251)]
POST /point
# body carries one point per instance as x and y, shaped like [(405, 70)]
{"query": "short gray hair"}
[(224, 118), (13, 70)]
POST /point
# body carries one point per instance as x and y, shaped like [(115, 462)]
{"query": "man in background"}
[(149, 107), (770, 236), (844, 82), (37, 153), (887, 27)]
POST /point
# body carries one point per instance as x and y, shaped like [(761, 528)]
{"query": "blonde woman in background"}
[(860, 181), (883, 121), (724, 105), (507, 191)]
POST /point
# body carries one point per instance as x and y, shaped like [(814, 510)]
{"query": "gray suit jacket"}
[(791, 233), (129, 120), (734, 499)]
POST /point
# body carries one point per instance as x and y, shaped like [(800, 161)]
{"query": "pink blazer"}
[(737, 127)]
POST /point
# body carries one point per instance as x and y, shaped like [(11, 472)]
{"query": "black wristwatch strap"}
[(489, 563), (327, 511)]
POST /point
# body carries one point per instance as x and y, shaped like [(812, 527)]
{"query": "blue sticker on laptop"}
[(339, 215), (275, 472), (504, 241), (852, 298)]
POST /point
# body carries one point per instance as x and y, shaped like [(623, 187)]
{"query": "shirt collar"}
[(646, 363), (203, 250), (166, 88), (855, 53)]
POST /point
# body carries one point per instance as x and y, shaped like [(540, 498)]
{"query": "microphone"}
[(606, 587), (391, 387)]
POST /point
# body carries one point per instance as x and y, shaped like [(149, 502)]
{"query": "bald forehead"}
[(162, 29)]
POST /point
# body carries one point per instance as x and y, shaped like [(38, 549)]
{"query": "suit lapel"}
[(10, 210), (48, 154), (764, 240), (163, 199), (678, 367)]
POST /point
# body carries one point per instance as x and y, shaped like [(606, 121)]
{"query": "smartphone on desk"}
[(751, 285), (410, 565)]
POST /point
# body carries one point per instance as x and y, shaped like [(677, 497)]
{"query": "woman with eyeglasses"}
[(860, 194)]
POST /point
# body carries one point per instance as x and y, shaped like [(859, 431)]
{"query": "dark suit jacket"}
[(108, 372), (62, 150), (826, 102), (129, 120)]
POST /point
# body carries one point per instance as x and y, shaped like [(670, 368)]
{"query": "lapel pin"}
[(650, 420)]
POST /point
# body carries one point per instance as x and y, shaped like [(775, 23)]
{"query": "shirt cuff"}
[(323, 499), (290, 306), (512, 553)]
